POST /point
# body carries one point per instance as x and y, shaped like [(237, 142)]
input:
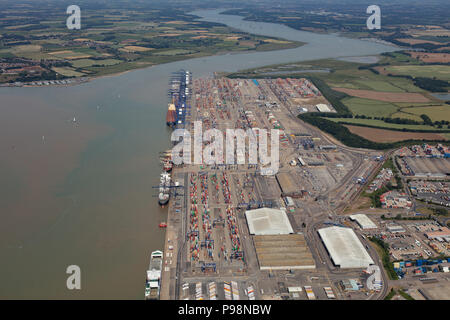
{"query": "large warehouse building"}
[(363, 221), (268, 221), (277, 248), (344, 247), (283, 252)]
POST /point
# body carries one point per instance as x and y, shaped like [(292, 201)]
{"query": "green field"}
[(378, 85), (68, 72), (369, 107), (430, 71), (83, 63), (172, 52), (405, 115), (436, 113), (170, 33), (344, 75), (382, 124)]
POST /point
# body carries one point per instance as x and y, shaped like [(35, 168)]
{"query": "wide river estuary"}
[(80, 192)]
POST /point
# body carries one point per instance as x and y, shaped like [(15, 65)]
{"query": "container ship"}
[(171, 118), (179, 93), (164, 189), (153, 280)]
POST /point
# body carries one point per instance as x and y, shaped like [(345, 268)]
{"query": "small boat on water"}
[(163, 225), (153, 279)]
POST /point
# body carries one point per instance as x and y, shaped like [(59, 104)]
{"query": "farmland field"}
[(172, 52), (378, 85), (129, 38), (382, 124), (68, 72), (436, 113), (135, 49), (405, 115), (82, 63), (68, 54), (431, 57), (439, 71), (385, 96), (382, 135), (369, 107)]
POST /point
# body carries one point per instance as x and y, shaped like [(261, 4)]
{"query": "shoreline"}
[(76, 81), (297, 44)]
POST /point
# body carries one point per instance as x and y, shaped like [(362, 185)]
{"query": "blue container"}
[(419, 263), (402, 264), (256, 82)]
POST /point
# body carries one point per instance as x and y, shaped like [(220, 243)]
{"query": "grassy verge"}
[(390, 295), (383, 249), (405, 295)]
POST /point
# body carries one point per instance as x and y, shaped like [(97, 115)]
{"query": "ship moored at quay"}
[(179, 93), (164, 189), (153, 280)]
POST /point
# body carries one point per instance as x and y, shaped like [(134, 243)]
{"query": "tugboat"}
[(153, 280)]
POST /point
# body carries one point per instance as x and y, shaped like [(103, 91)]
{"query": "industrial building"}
[(283, 252), (351, 285), (344, 247), (428, 167), (268, 221), (328, 147), (363, 221), (443, 234), (394, 228), (321, 107)]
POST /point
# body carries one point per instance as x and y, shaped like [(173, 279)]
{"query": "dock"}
[(209, 251)]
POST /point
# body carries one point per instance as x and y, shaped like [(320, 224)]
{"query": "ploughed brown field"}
[(382, 135), (416, 41), (385, 96), (431, 57)]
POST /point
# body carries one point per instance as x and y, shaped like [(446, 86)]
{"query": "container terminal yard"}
[(233, 233)]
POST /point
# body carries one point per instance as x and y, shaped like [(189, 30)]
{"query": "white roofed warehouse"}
[(344, 247), (321, 107), (277, 248), (363, 221), (268, 221)]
